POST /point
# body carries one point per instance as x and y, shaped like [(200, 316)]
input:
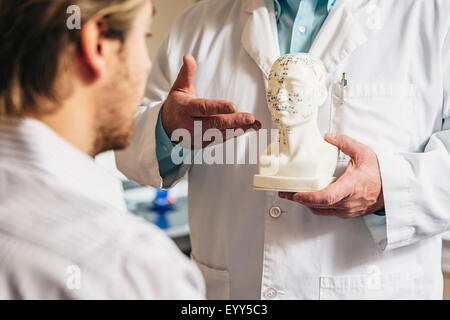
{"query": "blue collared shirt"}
[(298, 22)]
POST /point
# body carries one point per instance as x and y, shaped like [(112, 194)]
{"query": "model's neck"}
[(301, 139)]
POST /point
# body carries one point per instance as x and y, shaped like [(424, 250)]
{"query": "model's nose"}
[(282, 95)]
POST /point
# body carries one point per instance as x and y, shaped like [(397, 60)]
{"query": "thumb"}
[(186, 75), (347, 145)]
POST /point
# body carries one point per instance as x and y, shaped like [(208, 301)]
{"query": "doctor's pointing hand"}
[(182, 108)]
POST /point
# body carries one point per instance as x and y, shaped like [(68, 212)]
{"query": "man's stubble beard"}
[(114, 127)]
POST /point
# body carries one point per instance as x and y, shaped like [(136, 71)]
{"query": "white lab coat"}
[(65, 232), (396, 56)]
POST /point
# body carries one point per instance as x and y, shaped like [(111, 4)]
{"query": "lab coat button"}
[(302, 29), (275, 212), (270, 294)]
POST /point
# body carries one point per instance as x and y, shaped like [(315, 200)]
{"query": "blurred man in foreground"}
[(65, 96)]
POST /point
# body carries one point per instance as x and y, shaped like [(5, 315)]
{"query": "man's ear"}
[(96, 49)]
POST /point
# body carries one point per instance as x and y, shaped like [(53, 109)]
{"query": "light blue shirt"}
[(164, 147), (298, 22)]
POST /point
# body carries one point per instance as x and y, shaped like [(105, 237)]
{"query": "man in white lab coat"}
[(391, 121), (65, 96)]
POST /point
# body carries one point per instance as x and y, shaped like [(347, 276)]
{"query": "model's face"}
[(294, 94), (126, 87)]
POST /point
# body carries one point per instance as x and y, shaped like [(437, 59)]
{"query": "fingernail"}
[(331, 135)]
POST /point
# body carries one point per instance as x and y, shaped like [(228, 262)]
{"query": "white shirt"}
[(65, 232), (397, 102)]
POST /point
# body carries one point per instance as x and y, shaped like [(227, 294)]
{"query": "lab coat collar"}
[(346, 28), (260, 35), (32, 144)]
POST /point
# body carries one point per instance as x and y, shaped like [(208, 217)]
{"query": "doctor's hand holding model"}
[(389, 115)]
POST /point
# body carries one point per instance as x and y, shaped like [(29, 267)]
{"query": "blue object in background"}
[(162, 204), (163, 201), (161, 220)]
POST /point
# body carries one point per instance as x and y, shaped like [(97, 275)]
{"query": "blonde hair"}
[(34, 34)]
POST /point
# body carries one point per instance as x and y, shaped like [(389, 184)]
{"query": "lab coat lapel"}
[(259, 36), (347, 27)]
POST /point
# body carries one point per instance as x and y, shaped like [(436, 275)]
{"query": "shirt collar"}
[(31, 144), (278, 3)]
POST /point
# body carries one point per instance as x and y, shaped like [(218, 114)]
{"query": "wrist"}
[(164, 122)]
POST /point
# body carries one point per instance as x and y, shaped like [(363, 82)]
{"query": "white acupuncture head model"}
[(301, 161), (296, 88)]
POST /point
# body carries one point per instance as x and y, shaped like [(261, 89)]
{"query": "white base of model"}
[(290, 184)]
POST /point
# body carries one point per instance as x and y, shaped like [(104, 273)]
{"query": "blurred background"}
[(169, 211), (166, 12)]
